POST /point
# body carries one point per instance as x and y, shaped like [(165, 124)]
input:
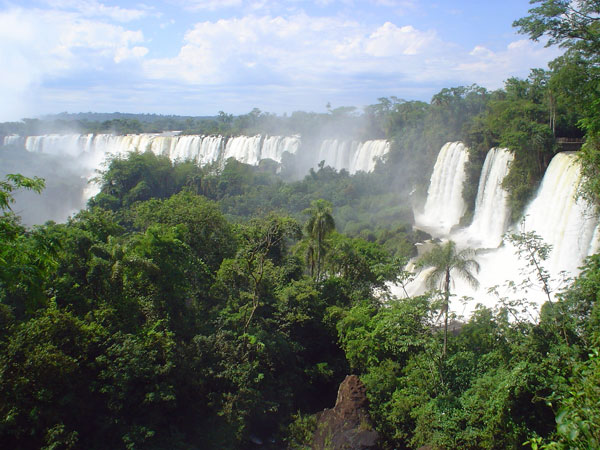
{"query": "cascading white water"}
[(352, 156), (491, 217), (187, 148), (595, 243), (273, 147), (57, 144), (336, 153), (13, 139), (569, 225), (201, 149), (367, 155), (211, 148), (252, 149), (86, 153), (563, 222), (245, 149), (445, 205)]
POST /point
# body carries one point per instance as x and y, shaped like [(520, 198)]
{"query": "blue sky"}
[(197, 57)]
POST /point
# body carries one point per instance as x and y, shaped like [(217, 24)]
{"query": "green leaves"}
[(201, 223), (446, 259), (578, 420), (142, 176), (14, 182), (568, 24), (319, 225), (575, 75), (531, 248)]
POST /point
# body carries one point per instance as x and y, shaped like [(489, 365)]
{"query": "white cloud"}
[(481, 52), (400, 5), (390, 40), (285, 58), (93, 8), (301, 52), (395, 3), (211, 5), (299, 47), (282, 5), (491, 68), (167, 24), (218, 52), (124, 53), (36, 46)]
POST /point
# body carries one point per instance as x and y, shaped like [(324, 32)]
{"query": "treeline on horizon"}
[(527, 116), (219, 307)]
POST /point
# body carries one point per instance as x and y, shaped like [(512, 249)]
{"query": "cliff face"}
[(347, 425)]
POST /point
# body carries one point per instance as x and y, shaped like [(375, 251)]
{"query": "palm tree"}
[(446, 262), (320, 223)]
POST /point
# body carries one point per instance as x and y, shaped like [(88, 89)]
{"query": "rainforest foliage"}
[(155, 321), (220, 307)]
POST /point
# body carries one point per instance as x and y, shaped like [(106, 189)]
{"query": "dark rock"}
[(346, 426)]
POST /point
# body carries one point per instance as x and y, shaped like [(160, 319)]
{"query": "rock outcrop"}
[(347, 425)]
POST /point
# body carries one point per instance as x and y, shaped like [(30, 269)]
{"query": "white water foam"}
[(569, 225)]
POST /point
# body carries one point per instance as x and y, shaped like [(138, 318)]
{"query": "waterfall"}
[(445, 206), (244, 149), (491, 216), (57, 144), (87, 153), (569, 225), (185, 148), (336, 153), (200, 149), (563, 222), (13, 139), (211, 148), (273, 147), (367, 154), (352, 156)]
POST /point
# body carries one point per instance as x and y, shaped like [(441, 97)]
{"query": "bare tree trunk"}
[(447, 307)]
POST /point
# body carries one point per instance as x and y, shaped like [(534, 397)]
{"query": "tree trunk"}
[(319, 243), (447, 307)]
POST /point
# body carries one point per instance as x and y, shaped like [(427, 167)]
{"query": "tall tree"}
[(570, 24), (447, 262), (320, 223), (26, 257), (574, 26)]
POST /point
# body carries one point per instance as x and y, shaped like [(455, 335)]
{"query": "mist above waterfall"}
[(66, 184), (82, 155)]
